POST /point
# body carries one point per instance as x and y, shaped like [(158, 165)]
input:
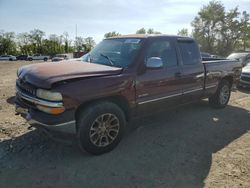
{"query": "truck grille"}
[(244, 78), (245, 73), (25, 87)]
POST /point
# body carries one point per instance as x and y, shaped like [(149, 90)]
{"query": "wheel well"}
[(228, 78), (118, 100)]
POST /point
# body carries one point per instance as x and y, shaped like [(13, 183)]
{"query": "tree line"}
[(216, 30), (219, 31), (35, 42)]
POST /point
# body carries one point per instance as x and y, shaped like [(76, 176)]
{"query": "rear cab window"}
[(189, 52), (165, 50)]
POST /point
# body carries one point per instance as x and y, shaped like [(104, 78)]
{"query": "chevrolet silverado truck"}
[(121, 78)]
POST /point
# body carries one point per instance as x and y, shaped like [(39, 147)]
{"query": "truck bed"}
[(219, 68)]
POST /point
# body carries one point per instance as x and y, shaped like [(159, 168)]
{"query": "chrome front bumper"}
[(68, 127), (26, 106), (245, 79)]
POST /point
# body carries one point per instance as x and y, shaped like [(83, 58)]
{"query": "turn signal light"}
[(51, 110)]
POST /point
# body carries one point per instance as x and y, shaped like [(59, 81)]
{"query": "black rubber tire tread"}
[(85, 120), (214, 100)]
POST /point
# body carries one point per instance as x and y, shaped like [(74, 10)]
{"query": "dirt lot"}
[(193, 146)]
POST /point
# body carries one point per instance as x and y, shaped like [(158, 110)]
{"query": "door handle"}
[(177, 74)]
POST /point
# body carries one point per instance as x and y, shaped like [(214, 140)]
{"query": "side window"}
[(164, 50), (189, 52)]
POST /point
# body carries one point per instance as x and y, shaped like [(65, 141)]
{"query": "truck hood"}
[(43, 75)]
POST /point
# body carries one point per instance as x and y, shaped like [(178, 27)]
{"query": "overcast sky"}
[(97, 17)]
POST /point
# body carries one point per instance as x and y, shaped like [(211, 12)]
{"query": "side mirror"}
[(154, 63)]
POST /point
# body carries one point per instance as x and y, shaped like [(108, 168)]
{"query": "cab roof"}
[(148, 36)]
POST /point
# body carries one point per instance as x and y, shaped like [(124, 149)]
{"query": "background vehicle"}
[(243, 57), (245, 76), (22, 57), (7, 57), (38, 57), (205, 55), (124, 77), (60, 57)]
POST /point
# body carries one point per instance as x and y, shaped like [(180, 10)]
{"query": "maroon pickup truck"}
[(121, 78)]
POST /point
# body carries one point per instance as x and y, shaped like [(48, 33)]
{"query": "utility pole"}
[(76, 30)]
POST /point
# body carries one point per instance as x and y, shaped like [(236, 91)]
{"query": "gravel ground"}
[(192, 146)]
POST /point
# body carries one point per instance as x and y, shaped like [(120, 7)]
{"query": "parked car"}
[(60, 57), (125, 77), (245, 76), (8, 57), (38, 57), (217, 56), (209, 57), (243, 57), (205, 55), (22, 57)]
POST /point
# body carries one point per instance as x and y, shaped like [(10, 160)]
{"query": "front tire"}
[(45, 59), (100, 127), (221, 98)]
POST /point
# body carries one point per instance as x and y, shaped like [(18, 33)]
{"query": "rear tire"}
[(221, 98), (100, 127), (45, 59)]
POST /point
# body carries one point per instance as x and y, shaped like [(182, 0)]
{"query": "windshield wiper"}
[(107, 57)]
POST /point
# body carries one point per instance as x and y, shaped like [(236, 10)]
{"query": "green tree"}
[(152, 31), (141, 31), (207, 25), (229, 34), (149, 31), (245, 30), (89, 43), (56, 43), (111, 34), (79, 44), (183, 32), (221, 32), (7, 43), (24, 43), (66, 42), (36, 37)]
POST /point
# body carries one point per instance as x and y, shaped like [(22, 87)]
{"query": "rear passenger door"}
[(192, 70), (157, 89)]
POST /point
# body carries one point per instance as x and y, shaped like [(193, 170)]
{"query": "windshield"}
[(114, 52), (237, 56)]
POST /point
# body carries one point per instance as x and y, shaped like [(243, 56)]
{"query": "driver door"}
[(159, 88)]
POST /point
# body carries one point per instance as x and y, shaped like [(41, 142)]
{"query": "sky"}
[(96, 17)]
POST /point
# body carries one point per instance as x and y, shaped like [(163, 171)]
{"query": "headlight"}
[(48, 95)]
